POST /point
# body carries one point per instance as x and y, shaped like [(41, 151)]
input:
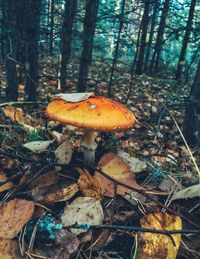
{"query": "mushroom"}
[(95, 114)]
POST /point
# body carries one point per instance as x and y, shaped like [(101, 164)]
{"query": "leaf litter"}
[(40, 197)]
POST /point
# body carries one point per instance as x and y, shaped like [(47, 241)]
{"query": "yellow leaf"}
[(6, 186), (88, 184), (159, 246)]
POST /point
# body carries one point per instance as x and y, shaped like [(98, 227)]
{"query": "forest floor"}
[(155, 153)]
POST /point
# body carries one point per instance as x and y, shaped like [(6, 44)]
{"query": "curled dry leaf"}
[(189, 192), (62, 194), (156, 246), (75, 97), (6, 186), (88, 184), (83, 210), (38, 146), (17, 115), (14, 215), (116, 168), (9, 249)]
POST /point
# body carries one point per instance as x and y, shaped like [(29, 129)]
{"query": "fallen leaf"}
[(88, 184), (14, 215), (6, 186), (64, 153), (156, 246), (189, 192), (38, 146), (135, 164), (75, 97), (68, 240), (83, 210), (9, 249), (61, 193), (116, 168)]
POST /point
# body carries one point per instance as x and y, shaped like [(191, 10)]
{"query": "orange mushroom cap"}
[(95, 113)]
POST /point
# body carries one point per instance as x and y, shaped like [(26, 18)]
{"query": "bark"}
[(87, 45), (33, 38), (185, 40), (115, 58), (51, 38), (9, 22), (159, 41), (70, 11), (21, 8), (191, 124), (149, 44), (144, 25)]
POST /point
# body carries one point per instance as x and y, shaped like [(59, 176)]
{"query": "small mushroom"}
[(95, 114)]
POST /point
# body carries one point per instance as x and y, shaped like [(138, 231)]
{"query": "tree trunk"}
[(158, 48), (149, 44), (87, 45), (33, 38), (191, 124), (70, 11), (9, 22), (51, 38), (115, 58), (144, 24), (185, 40)]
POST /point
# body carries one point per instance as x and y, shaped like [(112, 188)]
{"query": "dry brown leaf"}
[(88, 184), (14, 215), (9, 249), (159, 246), (6, 186), (115, 167), (17, 115), (62, 194), (45, 180)]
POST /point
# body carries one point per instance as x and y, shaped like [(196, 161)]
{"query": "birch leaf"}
[(83, 210), (75, 97), (189, 192), (64, 153), (38, 146)]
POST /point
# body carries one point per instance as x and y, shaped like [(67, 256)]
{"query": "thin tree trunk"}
[(51, 38), (9, 21), (144, 24), (149, 44), (185, 40), (70, 11), (158, 48), (87, 45), (191, 124), (33, 37), (115, 58)]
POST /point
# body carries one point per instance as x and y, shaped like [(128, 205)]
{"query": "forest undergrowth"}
[(154, 151)]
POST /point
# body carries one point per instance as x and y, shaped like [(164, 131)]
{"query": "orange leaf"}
[(115, 167)]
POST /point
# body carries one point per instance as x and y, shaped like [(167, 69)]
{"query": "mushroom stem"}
[(89, 146)]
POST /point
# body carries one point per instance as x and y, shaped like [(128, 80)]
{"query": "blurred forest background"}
[(115, 45)]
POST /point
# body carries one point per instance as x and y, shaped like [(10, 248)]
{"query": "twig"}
[(186, 144)]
